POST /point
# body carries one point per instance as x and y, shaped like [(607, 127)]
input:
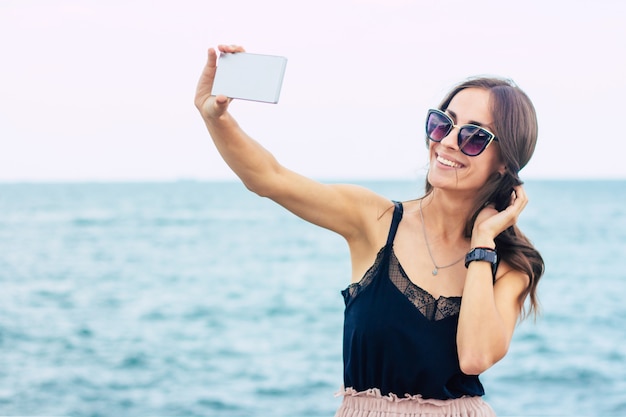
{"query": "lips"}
[(447, 162)]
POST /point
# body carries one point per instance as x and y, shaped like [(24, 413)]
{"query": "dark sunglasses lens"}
[(437, 126), (473, 140)]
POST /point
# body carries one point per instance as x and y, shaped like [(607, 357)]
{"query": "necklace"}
[(437, 268)]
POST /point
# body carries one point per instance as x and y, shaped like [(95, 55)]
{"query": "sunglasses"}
[(472, 139)]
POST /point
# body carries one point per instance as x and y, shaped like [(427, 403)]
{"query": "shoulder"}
[(376, 211), (362, 202), (362, 197)]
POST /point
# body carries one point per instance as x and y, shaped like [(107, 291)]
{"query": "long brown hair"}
[(515, 125)]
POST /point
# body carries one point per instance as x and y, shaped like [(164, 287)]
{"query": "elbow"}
[(476, 355), (260, 188), (255, 188), (266, 183), (475, 363)]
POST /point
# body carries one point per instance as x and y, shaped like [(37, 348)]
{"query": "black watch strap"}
[(483, 254)]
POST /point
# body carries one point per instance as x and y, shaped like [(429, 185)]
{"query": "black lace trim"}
[(356, 287), (431, 308)]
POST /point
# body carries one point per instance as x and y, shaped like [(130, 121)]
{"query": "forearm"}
[(482, 333), (248, 159), (252, 163)]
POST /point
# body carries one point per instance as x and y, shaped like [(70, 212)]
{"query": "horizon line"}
[(236, 180)]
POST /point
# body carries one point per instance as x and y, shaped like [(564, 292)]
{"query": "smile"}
[(448, 163)]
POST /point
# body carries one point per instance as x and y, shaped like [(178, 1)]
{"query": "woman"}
[(410, 345)]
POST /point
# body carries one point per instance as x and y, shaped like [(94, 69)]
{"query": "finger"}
[(520, 195), (230, 49), (219, 105), (205, 83), (221, 101), (520, 192), (517, 204)]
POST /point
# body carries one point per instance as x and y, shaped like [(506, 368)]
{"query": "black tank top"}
[(398, 337)]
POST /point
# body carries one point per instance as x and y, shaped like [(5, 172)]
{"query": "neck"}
[(446, 214)]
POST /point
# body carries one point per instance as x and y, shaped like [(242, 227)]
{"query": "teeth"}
[(448, 163)]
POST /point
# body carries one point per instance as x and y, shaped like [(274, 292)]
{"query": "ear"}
[(502, 170)]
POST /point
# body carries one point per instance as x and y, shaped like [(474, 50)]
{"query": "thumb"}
[(220, 105)]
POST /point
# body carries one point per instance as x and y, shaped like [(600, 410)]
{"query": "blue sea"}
[(202, 299)]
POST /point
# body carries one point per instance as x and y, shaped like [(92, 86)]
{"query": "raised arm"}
[(489, 312), (346, 209)]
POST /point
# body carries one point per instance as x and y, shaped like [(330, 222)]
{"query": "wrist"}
[(220, 123), (483, 254), (482, 242)]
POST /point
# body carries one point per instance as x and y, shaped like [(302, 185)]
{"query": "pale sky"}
[(103, 90)]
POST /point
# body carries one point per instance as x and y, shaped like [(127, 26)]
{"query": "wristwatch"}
[(483, 254)]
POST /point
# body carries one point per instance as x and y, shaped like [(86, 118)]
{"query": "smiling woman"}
[(509, 111), (410, 346)]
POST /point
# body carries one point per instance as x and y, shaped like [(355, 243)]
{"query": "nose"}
[(451, 139)]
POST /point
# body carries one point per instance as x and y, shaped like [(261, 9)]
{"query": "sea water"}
[(202, 299)]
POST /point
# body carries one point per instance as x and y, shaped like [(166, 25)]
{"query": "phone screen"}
[(248, 76)]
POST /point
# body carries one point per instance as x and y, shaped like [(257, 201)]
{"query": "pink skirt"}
[(371, 403)]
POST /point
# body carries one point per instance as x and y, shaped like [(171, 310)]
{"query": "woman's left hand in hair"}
[(491, 222)]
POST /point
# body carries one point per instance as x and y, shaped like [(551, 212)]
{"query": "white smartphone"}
[(248, 76)]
